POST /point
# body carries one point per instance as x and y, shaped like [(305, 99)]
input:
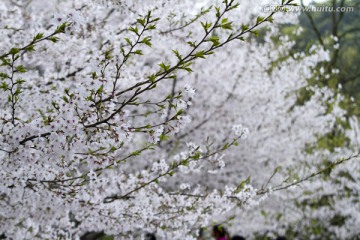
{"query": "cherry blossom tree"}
[(136, 116)]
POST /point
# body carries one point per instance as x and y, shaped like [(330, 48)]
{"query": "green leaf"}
[(138, 52), (20, 68), (241, 38), (200, 54), (215, 40), (128, 41), (20, 81), (235, 6), (65, 99), (241, 186), (141, 21), (189, 70), (244, 28), (196, 156), (134, 30), (177, 54), (151, 27), (108, 54), (164, 66), (259, 20), (61, 28), (14, 51), (53, 39), (17, 92), (231, 35), (149, 15), (256, 33), (154, 20), (152, 78), (226, 146), (5, 62), (164, 137), (227, 26), (186, 67), (100, 89), (192, 44), (147, 41), (206, 26), (218, 14), (4, 75), (30, 48), (38, 37), (113, 149), (263, 213), (4, 86), (181, 111), (122, 51)]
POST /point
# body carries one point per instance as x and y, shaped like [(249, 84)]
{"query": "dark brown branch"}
[(313, 25)]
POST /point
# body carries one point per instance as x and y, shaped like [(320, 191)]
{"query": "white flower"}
[(189, 90), (241, 131), (92, 175), (95, 66), (58, 19), (184, 186), (221, 164), (184, 119), (335, 71), (181, 104), (155, 136), (163, 114), (75, 21), (161, 166), (75, 17), (182, 122)]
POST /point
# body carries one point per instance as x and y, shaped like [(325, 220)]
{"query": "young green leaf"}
[(192, 44), (138, 52), (128, 41), (20, 68), (134, 30), (147, 41), (152, 78), (215, 40), (206, 26), (200, 54), (218, 14), (255, 32), (141, 21), (61, 28), (53, 39), (259, 20), (38, 37), (14, 51), (227, 26), (164, 66), (177, 54)]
